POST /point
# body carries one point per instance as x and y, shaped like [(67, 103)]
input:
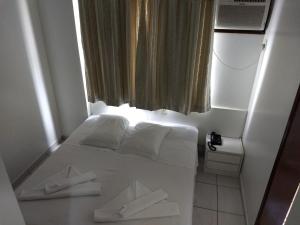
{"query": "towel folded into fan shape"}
[(67, 183), (137, 202)]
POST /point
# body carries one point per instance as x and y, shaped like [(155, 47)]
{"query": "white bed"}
[(174, 172)]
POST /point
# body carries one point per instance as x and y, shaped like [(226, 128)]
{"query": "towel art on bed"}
[(137, 202), (67, 183)]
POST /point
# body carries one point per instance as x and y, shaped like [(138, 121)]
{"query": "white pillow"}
[(145, 140), (184, 132), (108, 132)]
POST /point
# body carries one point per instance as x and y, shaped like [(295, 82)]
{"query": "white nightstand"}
[(227, 159)]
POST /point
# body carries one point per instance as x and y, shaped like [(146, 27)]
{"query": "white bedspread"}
[(179, 147), (174, 172)]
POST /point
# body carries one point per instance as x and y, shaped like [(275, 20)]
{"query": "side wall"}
[(57, 20), (29, 120), (272, 98)]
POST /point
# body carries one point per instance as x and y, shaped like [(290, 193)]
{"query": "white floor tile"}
[(208, 178), (230, 219), (230, 200), (204, 217), (205, 196), (228, 181)]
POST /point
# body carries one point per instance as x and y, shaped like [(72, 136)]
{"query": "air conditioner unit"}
[(244, 15)]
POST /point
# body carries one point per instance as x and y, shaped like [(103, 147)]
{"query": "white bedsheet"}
[(174, 172)]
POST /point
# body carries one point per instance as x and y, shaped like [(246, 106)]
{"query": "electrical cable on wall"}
[(233, 67)]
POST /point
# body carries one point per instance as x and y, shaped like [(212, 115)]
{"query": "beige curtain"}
[(108, 29), (151, 53)]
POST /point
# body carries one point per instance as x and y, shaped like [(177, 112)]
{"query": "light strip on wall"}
[(291, 206), (80, 49), (36, 72)]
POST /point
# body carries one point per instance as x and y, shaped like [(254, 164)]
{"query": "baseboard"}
[(35, 164), (244, 200)]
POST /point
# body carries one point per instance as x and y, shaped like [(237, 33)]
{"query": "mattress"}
[(173, 172)]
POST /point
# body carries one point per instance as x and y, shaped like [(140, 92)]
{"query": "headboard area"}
[(227, 122)]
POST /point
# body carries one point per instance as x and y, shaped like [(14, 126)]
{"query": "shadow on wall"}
[(228, 122)]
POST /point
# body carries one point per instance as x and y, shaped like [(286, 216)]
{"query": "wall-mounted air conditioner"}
[(246, 15)]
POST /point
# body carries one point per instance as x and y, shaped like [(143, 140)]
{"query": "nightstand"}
[(227, 159)]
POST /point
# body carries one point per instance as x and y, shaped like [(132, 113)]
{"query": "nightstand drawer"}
[(223, 158), (222, 166)]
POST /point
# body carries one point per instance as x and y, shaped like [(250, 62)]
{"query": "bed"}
[(174, 171)]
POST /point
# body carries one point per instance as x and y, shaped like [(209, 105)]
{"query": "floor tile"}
[(206, 177), (205, 196), (230, 200), (228, 181), (230, 219), (204, 217)]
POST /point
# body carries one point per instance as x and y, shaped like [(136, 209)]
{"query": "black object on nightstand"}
[(215, 139)]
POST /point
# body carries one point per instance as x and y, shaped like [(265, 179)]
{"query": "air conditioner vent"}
[(242, 14)]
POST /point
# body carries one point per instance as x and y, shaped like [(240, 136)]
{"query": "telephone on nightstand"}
[(215, 139)]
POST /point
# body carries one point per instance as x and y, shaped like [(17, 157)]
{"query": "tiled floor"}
[(217, 200)]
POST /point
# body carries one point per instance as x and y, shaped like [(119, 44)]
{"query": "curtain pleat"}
[(108, 30), (151, 53)]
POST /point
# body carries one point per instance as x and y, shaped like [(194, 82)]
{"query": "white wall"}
[(272, 98), (58, 26), (42, 95), (234, 63), (28, 123)]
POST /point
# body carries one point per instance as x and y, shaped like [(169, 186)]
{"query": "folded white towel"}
[(68, 182), (110, 212), (38, 192), (142, 202), (85, 189)]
